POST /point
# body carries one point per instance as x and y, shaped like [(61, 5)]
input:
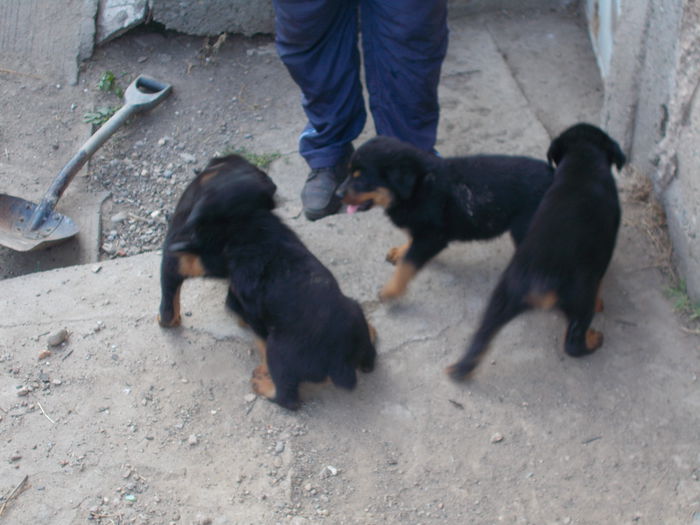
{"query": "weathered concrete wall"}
[(677, 176), (460, 7), (246, 17), (116, 17), (649, 105), (212, 17), (603, 16)]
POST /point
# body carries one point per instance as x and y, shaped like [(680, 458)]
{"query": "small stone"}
[(22, 392), (497, 438), (118, 217), (329, 471), (249, 398), (192, 440), (188, 158), (96, 268), (279, 447), (58, 337), (44, 354)]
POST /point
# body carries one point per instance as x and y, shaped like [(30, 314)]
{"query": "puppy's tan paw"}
[(394, 255), (391, 291), (397, 253), (263, 386), (594, 340), (174, 322), (261, 372)]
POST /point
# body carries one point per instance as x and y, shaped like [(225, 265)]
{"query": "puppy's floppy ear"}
[(404, 176), (402, 181), (555, 152), (615, 155), (268, 198)]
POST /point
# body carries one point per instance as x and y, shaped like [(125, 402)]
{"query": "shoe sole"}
[(331, 209)]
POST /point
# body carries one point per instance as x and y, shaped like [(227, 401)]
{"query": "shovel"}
[(26, 226)]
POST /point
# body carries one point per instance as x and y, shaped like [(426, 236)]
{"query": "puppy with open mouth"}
[(439, 200)]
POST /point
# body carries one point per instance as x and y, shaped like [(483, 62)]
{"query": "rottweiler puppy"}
[(564, 256), (174, 270), (306, 329), (442, 200)]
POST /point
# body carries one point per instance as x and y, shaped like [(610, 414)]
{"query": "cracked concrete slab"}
[(46, 39)]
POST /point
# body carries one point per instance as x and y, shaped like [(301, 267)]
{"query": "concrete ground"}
[(128, 423)]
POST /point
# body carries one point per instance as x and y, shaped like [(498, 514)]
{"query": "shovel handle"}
[(143, 94)]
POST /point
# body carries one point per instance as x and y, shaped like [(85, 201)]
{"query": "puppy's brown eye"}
[(356, 173)]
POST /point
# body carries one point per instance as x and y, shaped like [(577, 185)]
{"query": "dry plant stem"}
[(13, 72), (42, 411), (15, 492)]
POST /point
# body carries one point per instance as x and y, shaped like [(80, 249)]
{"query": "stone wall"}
[(213, 17), (649, 106), (246, 17)]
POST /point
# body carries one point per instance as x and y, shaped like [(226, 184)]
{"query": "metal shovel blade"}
[(26, 226), (15, 214)]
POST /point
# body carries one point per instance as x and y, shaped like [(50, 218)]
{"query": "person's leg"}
[(317, 42), (404, 44)]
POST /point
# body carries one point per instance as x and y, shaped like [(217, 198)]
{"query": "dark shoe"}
[(318, 195)]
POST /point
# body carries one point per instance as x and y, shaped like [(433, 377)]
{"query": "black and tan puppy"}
[(564, 256), (442, 200), (174, 270), (307, 330)]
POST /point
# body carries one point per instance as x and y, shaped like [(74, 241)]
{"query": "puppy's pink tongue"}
[(352, 208)]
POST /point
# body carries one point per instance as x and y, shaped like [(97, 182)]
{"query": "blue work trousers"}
[(403, 42)]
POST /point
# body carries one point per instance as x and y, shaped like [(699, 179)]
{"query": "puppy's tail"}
[(503, 306)]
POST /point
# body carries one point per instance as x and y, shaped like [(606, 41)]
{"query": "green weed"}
[(682, 302), (100, 115), (108, 84), (261, 160)]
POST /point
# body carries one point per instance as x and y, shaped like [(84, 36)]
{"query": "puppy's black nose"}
[(342, 189)]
